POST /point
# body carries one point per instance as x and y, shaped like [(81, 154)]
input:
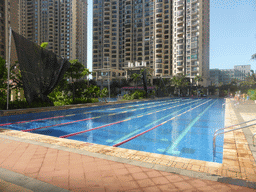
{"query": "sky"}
[(232, 33)]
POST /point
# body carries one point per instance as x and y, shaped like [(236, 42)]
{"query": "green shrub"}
[(252, 94), (136, 95), (127, 97), (22, 105)]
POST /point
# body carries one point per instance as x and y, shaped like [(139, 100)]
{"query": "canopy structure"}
[(41, 70)]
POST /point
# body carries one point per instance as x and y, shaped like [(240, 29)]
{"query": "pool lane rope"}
[(154, 122), (87, 119), (63, 116), (170, 150), (130, 118), (138, 130), (131, 138)]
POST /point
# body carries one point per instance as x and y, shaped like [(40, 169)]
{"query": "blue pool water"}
[(176, 127)]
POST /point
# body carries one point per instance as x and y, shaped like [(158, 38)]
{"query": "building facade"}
[(242, 71), (157, 34), (61, 23), (225, 76), (2, 29), (191, 30), (11, 20)]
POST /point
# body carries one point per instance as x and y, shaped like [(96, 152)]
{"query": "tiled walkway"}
[(76, 172)]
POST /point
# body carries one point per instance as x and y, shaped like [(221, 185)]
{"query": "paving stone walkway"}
[(76, 172)]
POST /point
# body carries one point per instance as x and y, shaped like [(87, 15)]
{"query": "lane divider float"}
[(131, 138), (62, 116), (80, 132), (138, 130), (87, 119)]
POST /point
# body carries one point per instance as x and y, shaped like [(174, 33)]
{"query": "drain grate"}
[(188, 150)]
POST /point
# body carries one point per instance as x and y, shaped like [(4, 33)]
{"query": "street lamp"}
[(108, 81)]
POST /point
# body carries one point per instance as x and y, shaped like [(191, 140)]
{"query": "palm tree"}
[(198, 78), (179, 82), (144, 74), (253, 57), (135, 77)]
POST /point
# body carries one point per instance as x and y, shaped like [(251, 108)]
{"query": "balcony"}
[(179, 25), (159, 36), (159, 31), (180, 3), (194, 23), (159, 46), (179, 36), (195, 17), (195, 69), (195, 28), (159, 26), (195, 34), (194, 11), (180, 31), (159, 55), (159, 61), (180, 14), (180, 58), (179, 53), (194, 63)]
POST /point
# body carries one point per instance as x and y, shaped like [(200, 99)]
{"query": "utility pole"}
[(108, 80), (9, 63)]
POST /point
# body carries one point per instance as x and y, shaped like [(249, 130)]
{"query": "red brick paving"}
[(77, 172)]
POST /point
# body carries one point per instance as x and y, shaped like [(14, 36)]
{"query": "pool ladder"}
[(216, 134)]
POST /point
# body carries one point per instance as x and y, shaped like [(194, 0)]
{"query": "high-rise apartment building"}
[(11, 20), (171, 37), (2, 29), (61, 23), (132, 33), (79, 30), (191, 38)]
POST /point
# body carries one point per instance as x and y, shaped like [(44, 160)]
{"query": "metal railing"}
[(216, 134), (253, 139)]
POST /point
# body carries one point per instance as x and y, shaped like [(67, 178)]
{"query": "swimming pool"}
[(176, 127)]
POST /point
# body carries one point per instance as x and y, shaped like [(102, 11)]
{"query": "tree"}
[(135, 77), (3, 80), (15, 76), (198, 78), (253, 57), (113, 87), (75, 72), (179, 82), (44, 45), (145, 74)]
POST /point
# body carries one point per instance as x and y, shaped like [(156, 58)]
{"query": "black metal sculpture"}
[(41, 69)]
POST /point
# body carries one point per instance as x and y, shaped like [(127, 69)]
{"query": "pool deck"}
[(34, 162)]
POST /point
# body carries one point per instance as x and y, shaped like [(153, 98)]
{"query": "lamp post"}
[(108, 81), (9, 63)]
